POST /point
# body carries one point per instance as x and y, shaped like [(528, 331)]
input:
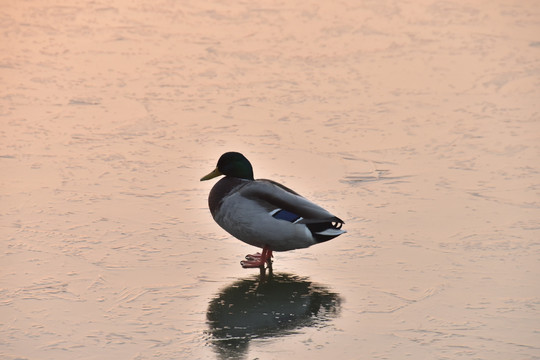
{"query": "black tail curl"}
[(317, 228)]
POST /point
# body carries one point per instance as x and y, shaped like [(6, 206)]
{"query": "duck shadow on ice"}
[(251, 308)]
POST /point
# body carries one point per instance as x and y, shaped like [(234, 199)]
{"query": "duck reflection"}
[(281, 305)]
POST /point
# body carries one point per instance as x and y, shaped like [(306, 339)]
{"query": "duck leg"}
[(258, 260), (269, 261)]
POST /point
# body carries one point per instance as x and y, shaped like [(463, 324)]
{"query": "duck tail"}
[(324, 231)]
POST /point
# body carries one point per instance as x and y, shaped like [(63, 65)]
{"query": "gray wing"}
[(279, 196)]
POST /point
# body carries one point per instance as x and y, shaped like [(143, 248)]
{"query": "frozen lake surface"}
[(418, 123)]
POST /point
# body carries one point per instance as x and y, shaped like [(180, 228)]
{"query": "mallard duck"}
[(264, 213)]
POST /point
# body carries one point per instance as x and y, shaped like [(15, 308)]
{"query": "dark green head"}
[(232, 164)]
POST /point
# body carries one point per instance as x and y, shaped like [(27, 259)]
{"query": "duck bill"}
[(212, 175)]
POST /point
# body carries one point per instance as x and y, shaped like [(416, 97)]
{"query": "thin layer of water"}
[(416, 123)]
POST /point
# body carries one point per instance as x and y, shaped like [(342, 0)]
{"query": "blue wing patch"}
[(281, 214)]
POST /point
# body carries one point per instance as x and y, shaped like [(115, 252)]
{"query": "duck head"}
[(232, 164)]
